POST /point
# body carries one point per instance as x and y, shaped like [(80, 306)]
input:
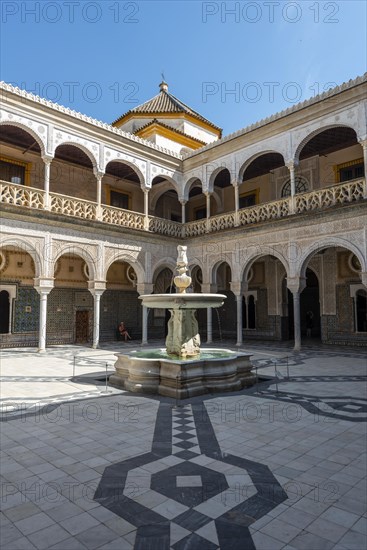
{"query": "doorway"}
[(309, 301), (4, 312), (81, 327)]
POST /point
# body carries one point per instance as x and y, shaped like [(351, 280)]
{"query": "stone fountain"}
[(182, 370)]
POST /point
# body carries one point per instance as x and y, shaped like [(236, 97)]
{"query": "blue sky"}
[(234, 62)]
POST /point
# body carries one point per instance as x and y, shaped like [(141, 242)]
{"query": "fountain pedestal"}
[(183, 337)]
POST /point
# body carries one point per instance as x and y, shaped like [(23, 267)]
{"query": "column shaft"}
[(96, 319), (144, 339), (297, 321), (47, 183), (146, 209), (209, 325), (239, 320), (42, 322)]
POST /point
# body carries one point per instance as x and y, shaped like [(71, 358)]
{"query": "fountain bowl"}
[(155, 372), (183, 300)]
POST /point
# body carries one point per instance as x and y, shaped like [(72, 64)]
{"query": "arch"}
[(131, 165), (30, 249), (195, 262), (162, 264), (257, 254), (187, 186), (214, 174), (213, 270), (171, 180), (251, 159), (317, 131), (155, 194), (29, 131), (129, 259), (83, 148), (78, 250), (333, 242)]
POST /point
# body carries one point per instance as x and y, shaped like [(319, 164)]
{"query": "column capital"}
[(236, 183), (47, 159), (145, 189), (296, 284), (183, 201), (236, 288), (364, 278), (144, 288), (291, 164), (44, 285), (96, 287), (363, 142), (98, 173)]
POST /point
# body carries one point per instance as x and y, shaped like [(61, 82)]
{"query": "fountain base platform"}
[(154, 372)]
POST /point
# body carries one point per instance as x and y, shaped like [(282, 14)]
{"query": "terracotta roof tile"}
[(155, 121), (165, 103)]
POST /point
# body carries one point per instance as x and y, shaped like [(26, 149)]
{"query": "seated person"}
[(123, 332)]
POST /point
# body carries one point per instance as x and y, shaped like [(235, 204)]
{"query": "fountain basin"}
[(155, 372), (183, 300)]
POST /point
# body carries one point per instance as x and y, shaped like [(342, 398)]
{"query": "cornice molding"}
[(84, 118), (281, 114)]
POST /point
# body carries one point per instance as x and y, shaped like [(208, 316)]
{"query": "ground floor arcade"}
[(327, 303)]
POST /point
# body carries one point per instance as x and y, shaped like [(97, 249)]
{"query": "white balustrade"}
[(70, 206), (196, 228), (165, 227), (222, 221), (126, 218), (330, 196), (21, 195), (319, 199)]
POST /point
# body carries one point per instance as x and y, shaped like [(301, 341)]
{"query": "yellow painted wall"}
[(328, 163), (19, 267)]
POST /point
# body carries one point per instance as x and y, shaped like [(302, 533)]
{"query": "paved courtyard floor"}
[(281, 465)]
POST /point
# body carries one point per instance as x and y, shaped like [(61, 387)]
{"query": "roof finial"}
[(163, 85)]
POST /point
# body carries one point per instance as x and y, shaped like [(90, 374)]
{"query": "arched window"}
[(301, 185)]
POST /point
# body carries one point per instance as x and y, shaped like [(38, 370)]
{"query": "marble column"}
[(207, 195), (96, 317), (42, 320), (297, 320), (296, 285), (364, 146), (209, 325), (47, 161), (292, 172), (183, 216), (146, 209), (99, 196), (236, 203), (239, 319), (144, 339)]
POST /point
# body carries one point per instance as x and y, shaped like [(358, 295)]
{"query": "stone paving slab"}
[(279, 465)]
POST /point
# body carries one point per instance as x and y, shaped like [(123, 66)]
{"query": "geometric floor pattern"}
[(279, 466), (186, 493), (337, 407)]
